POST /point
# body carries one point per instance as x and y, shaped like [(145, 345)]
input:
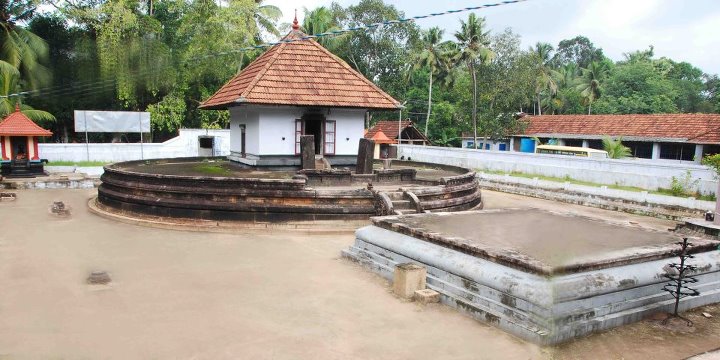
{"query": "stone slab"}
[(544, 308), (539, 240)]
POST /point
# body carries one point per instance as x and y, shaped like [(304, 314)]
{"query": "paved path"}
[(249, 294)]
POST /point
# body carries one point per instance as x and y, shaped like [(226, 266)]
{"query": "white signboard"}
[(112, 121)]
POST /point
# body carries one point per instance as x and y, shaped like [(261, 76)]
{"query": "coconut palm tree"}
[(321, 20), (19, 47), (435, 58), (9, 79), (545, 73), (266, 16), (589, 82), (615, 148), (473, 51)]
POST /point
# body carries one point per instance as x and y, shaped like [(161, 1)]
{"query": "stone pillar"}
[(561, 142), (365, 157), (407, 279), (698, 153), (586, 144), (307, 152), (512, 144), (656, 151)]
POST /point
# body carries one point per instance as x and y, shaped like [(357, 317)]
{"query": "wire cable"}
[(366, 27)]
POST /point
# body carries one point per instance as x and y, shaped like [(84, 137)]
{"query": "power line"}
[(366, 27)]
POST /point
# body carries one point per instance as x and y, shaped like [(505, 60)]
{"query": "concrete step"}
[(395, 195), (403, 205), (405, 211), (322, 164)]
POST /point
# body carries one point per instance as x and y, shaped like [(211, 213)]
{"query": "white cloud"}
[(681, 30)]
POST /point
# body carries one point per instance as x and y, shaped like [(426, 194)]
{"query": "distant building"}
[(293, 89), (19, 155), (653, 136), (387, 132), (467, 142)]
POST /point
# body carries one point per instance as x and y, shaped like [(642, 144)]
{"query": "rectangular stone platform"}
[(543, 276)]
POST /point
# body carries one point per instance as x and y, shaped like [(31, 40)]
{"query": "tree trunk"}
[(474, 111), (427, 120), (589, 106), (539, 106)]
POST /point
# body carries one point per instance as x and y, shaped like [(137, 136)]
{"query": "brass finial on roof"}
[(295, 25), (17, 106)]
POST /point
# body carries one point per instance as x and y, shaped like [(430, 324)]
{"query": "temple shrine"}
[(19, 141), (297, 88)]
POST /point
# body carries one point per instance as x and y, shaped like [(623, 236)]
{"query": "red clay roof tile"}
[(390, 129), (693, 128), (17, 124), (300, 73)]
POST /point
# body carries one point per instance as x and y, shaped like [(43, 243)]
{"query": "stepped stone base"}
[(505, 268)]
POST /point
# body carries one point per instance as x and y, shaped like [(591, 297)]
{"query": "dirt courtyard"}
[(277, 294)]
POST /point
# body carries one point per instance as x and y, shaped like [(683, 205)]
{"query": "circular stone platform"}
[(217, 189)]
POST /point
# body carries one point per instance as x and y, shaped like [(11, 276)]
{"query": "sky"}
[(683, 30)]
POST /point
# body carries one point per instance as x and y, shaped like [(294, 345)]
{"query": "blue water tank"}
[(527, 145)]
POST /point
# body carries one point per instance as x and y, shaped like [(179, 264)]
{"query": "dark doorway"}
[(207, 144), (640, 149), (19, 147), (573, 142), (314, 127), (242, 140)]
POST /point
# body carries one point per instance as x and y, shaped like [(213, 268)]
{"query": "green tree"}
[(380, 54), (433, 58), (265, 18), (638, 87), (21, 48), (545, 81), (473, 52), (590, 82), (579, 51), (615, 148), (321, 20), (9, 79)]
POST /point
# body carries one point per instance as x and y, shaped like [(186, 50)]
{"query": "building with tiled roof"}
[(653, 136), (386, 132), (19, 153), (297, 88)]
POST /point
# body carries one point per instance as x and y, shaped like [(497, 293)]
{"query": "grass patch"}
[(77, 163), (667, 192), (211, 169)]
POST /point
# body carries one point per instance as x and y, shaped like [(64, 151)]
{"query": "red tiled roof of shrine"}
[(17, 124), (381, 138), (693, 128), (300, 73), (390, 129)]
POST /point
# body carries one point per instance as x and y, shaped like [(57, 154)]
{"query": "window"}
[(329, 137), (298, 133)]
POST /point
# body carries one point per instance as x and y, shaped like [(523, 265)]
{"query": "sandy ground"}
[(253, 295)]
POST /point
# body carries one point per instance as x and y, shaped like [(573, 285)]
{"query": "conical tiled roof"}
[(17, 124), (300, 73), (381, 138)]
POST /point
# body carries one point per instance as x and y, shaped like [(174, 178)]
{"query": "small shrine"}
[(389, 132), (19, 146), (297, 88)]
